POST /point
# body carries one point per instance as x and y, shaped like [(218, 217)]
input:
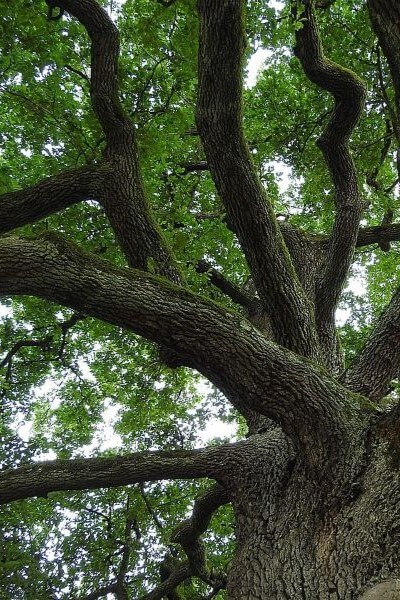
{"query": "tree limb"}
[(150, 510), (379, 361), (51, 195), (219, 122), (188, 533), (219, 344), (39, 479), (234, 292), (349, 93), (385, 19), (379, 234), (123, 196), (100, 593), (44, 344), (180, 574)]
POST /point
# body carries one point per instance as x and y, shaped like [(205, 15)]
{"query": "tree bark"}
[(291, 544)]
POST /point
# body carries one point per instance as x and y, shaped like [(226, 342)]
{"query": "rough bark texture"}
[(316, 487)]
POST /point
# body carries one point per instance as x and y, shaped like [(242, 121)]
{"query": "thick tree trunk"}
[(299, 539)]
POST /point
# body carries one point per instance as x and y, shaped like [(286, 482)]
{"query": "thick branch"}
[(311, 408), (104, 65), (379, 361), (379, 234), (51, 195), (39, 479), (169, 585), (349, 93), (219, 121)]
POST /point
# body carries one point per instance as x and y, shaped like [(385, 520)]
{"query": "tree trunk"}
[(299, 539)]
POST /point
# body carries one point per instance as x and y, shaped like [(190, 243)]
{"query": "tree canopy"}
[(172, 241)]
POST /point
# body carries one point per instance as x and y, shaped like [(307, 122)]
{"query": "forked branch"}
[(311, 408)]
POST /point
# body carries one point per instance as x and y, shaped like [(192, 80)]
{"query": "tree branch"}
[(380, 234), (234, 292), (39, 479), (219, 121), (379, 361), (349, 93), (51, 195), (150, 510), (44, 344), (123, 196), (385, 19), (101, 592), (187, 534), (180, 574), (223, 346)]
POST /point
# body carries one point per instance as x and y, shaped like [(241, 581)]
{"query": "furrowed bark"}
[(219, 121), (123, 197), (311, 407), (51, 195), (349, 93), (379, 361), (39, 479)]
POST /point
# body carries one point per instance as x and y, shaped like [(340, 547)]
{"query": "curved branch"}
[(43, 343), (39, 479), (219, 121), (311, 408), (100, 593), (187, 534), (51, 195), (123, 196), (349, 93), (379, 361), (104, 66)]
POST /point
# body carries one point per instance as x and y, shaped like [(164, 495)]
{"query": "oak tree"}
[(147, 247)]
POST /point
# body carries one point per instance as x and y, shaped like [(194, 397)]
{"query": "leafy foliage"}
[(87, 388)]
